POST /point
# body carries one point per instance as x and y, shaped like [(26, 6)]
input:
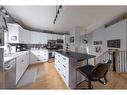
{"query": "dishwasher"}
[(10, 74)]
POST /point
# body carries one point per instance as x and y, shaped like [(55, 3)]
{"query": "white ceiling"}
[(87, 17)]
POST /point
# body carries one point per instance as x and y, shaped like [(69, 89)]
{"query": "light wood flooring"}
[(48, 78)]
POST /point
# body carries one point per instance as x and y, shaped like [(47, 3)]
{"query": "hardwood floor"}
[(48, 78)]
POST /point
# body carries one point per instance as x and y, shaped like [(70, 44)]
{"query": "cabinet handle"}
[(64, 58), (58, 69), (64, 76), (58, 61), (64, 66)]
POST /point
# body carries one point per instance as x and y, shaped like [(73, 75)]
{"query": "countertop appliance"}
[(60, 41), (10, 74), (13, 49), (51, 44), (21, 47)]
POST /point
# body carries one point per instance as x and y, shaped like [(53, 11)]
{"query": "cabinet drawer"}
[(65, 78)]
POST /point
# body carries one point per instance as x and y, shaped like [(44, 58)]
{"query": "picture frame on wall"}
[(71, 39), (113, 43), (98, 49), (97, 42)]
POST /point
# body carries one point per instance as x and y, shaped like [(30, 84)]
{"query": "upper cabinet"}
[(35, 37), (59, 36), (39, 38), (43, 38), (17, 34), (54, 36), (49, 36), (27, 36)]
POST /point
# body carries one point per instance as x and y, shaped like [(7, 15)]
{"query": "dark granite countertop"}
[(76, 56)]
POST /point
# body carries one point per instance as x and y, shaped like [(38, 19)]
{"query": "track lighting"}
[(57, 13), (3, 10)]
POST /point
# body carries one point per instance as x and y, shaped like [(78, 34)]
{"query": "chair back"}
[(101, 69)]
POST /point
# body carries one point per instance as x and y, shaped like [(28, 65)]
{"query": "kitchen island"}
[(66, 64)]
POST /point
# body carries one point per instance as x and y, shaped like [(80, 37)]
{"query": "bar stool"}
[(94, 73)]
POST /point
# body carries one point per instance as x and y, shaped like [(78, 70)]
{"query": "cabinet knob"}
[(64, 76), (64, 58), (64, 66), (58, 69)]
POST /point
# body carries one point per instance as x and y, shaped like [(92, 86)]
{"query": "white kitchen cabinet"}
[(22, 63), (17, 34), (25, 58), (35, 38), (66, 67), (62, 66), (59, 36), (27, 36), (43, 38), (54, 36), (39, 56), (39, 38), (49, 36), (18, 68), (33, 58)]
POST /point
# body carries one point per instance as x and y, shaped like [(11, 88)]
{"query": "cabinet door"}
[(13, 33), (35, 37), (49, 36), (43, 38), (54, 37), (22, 35), (33, 58), (59, 36), (27, 59), (18, 69), (26, 36)]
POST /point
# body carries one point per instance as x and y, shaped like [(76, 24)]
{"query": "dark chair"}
[(95, 73)]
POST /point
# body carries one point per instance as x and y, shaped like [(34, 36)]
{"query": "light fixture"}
[(3, 10), (57, 13), (85, 38)]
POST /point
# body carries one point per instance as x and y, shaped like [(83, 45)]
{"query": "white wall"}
[(115, 31), (76, 34)]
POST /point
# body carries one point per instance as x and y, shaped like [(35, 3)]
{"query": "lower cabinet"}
[(26, 58), (39, 56), (62, 66), (66, 67), (22, 63)]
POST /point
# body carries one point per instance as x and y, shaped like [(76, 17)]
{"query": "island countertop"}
[(76, 56)]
